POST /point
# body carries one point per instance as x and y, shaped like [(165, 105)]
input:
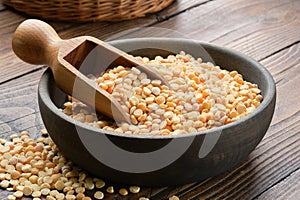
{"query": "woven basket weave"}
[(88, 10)]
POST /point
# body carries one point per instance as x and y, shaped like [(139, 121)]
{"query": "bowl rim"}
[(267, 98)]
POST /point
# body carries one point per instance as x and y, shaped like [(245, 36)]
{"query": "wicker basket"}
[(88, 10)]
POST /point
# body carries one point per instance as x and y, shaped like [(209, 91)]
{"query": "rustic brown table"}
[(267, 30)]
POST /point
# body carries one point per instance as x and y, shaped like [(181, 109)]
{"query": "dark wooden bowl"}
[(162, 160)]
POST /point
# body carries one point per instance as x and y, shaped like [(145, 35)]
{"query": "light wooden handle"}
[(36, 42)]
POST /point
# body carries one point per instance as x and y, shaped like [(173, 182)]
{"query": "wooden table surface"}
[(267, 30)]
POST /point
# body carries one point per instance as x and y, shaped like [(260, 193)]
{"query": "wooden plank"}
[(248, 30), (275, 157), (256, 28), (107, 30), (273, 35), (285, 75), (9, 19), (18, 105), (178, 7), (2, 6), (8, 23), (10, 67), (286, 189), (285, 57)]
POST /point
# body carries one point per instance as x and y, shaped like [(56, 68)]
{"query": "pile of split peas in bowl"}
[(201, 96)]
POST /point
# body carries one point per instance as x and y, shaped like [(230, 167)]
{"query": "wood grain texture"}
[(286, 189), (18, 105), (178, 7), (10, 68), (2, 6), (256, 28), (275, 158), (285, 68), (266, 30)]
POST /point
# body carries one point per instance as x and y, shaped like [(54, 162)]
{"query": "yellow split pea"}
[(200, 96), (56, 179)]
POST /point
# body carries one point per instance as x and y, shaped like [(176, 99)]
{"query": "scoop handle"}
[(36, 42)]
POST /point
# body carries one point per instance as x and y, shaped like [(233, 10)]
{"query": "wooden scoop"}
[(36, 42)]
